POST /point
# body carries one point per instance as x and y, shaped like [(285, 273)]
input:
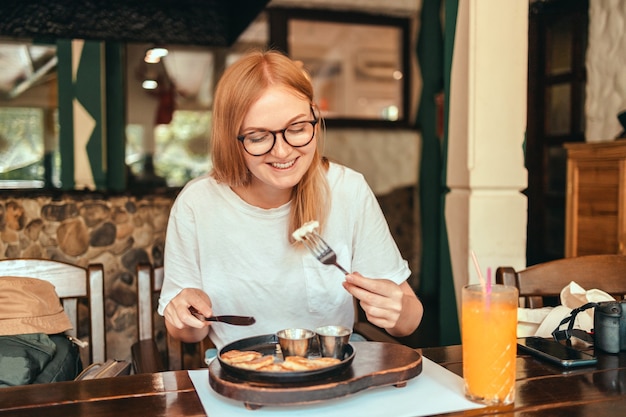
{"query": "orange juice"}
[(489, 337)]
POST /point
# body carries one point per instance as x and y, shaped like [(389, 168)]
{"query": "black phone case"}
[(555, 352)]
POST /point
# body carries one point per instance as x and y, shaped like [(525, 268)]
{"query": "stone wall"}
[(82, 228), (120, 231)]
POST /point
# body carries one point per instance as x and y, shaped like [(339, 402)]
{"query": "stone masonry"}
[(82, 228)]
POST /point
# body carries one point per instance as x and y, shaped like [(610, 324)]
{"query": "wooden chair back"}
[(72, 283), (604, 272), (366, 329), (149, 283)]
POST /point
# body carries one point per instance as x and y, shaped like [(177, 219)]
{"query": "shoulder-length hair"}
[(239, 87)]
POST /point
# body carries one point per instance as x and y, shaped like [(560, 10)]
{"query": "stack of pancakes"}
[(250, 359)]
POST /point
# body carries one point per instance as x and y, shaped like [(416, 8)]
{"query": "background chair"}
[(72, 283), (368, 330), (145, 354), (544, 281)]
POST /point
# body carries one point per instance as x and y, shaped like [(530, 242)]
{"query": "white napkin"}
[(436, 390), (542, 321)]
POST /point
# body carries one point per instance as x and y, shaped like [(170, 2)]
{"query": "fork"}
[(321, 250)]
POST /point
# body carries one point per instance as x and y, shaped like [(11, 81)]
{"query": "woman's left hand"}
[(386, 304)]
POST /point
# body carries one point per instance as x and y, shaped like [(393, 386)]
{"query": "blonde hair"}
[(240, 86)]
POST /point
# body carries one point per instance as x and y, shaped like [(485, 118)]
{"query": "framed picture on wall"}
[(359, 63)]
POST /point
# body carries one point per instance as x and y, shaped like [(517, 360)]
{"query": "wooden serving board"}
[(375, 364)]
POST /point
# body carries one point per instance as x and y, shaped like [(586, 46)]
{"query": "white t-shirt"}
[(240, 256)]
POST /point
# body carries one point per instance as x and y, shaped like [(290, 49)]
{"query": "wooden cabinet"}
[(596, 198)]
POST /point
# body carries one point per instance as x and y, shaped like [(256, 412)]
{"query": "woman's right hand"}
[(181, 313)]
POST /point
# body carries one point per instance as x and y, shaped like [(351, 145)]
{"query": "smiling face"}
[(277, 172)]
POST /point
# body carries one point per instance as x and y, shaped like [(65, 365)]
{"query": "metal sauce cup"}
[(295, 342), (332, 340)]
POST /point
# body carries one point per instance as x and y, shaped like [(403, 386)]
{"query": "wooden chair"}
[(145, 353), (535, 283), (72, 283)]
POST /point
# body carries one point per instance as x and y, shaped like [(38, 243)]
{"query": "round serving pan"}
[(267, 345)]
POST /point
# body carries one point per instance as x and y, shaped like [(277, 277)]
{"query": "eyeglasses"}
[(297, 135)]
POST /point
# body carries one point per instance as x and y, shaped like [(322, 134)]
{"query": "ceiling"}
[(24, 63), (186, 22)]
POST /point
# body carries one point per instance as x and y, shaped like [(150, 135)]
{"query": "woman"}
[(229, 248)]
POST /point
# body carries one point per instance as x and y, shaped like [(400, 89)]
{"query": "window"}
[(29, 129), (181, 149)]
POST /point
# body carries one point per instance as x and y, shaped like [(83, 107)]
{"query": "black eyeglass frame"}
[(313, 123)]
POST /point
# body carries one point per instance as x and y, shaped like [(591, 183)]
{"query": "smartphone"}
[(555, 352)]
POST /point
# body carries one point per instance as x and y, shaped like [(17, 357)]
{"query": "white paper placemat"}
[(436, 390)]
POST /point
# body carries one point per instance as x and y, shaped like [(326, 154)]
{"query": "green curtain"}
[(436, 289), (66, 113), (449, 319), (96, 89), (116, 116)]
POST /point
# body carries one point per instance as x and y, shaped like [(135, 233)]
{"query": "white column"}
[(485, 209)]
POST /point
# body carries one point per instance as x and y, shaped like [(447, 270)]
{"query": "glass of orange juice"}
[(489, 337)]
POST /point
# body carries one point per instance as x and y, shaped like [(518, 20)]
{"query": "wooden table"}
[(542, 390)]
